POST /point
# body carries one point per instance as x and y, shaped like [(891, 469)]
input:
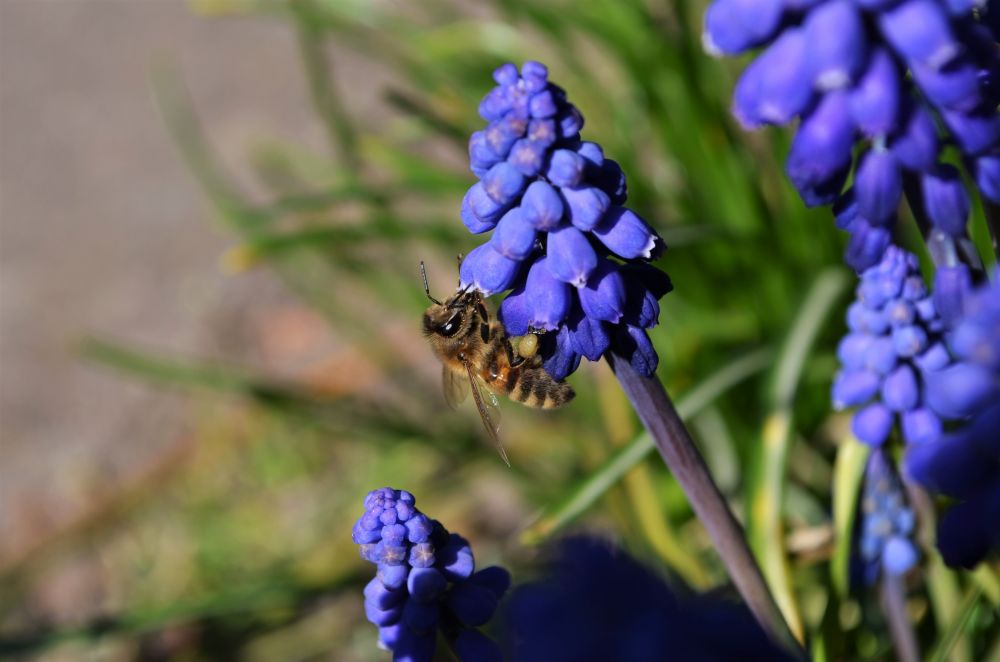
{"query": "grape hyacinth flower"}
[(426, 581), (885, 542), (595, 602), (965, 464), (575, 258), (893, 346), (887, 73)]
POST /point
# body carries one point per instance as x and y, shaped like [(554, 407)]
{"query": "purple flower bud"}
[(455, 558), (945, 199), (377, 595), (900, 312), (909, 340), (821, 149), (515, 312), (603, 297), (916, 144), (479, 212), (422, 555), (534, 73), (586, 206), (494, 105), (733, 26), (933, 358), (494, 578), (960, 390), (874, 101), (487, 270), (864, 320), (625, 234), (542, 105), (564, 360), (382, 617), (503, 183), (898, 555), (501, 134), (921, 426), (392, 576), (987, 170), (571, 257), (776, 86), (976, 132), (588, 336), (426, 584), (920, 31), (570, 122), (878, 186), (542, 206), (955, 86), (505, 74), (419, 528), (514, 237), (542, 132), (633, 343), (872, 424), (866, 246), (880, 356), (900, 391), (852, 350), (592, 153), (393, 534), (549, 297), (951, 284), (481, 155), (854, 387), (527, 156), (837, 45), (566, 168), (472, 604)]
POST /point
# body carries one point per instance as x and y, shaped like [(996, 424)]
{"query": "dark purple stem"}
[(904, 639), (683, 459)]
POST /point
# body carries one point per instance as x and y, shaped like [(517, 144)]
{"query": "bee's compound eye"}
[(452, 326)]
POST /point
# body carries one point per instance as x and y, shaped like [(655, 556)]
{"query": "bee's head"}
[(448, 318)]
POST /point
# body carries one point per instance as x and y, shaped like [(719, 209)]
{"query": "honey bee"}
[(476, 352)]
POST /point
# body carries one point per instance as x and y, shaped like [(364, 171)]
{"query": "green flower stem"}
[(673, 441)]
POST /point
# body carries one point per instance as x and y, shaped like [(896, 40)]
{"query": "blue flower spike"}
[(964, 464), (563, 242), (877, 71), (426, 581), (885, 544)]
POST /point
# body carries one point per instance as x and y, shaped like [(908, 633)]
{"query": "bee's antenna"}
[(427, 289)]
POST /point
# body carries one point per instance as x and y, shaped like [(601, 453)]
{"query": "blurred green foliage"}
[(240, 545)]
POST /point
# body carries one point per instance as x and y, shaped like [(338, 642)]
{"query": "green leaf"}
[(848, 471), (765, 522)]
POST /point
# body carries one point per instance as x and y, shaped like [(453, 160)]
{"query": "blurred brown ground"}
[(102, 230)]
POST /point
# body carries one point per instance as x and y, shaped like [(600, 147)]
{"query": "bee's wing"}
[(456, 386), (489, 410)]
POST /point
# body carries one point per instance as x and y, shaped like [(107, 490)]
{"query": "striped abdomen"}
[(526, 383)]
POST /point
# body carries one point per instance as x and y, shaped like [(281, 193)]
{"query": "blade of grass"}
[(956, 627), (765, 523), (584, 495), (848, 472)]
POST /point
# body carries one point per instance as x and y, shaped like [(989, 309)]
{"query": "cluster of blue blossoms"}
[(597, 603), (965, 463), (426, 582), (881, 70), (893, 347), (576, 259), (887, 521)]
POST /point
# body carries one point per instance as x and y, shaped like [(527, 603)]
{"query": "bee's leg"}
[(484, 319), (513, 357)]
